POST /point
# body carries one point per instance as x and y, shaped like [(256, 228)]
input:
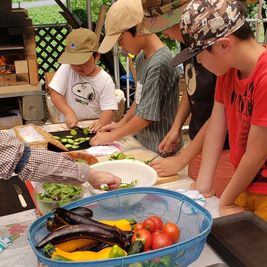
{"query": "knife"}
[(20, 196)]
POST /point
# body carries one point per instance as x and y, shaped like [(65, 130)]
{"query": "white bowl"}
[(128, 171)]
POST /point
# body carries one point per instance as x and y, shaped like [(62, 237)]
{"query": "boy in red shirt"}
[(216, 32)]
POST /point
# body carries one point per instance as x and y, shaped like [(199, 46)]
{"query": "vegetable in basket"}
[(105, 253)]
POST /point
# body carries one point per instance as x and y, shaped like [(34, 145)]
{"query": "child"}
[(80, 89), (217, 33), (156, 100), (197, 101)]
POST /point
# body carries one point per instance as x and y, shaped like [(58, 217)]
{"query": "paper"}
[(98, 151)]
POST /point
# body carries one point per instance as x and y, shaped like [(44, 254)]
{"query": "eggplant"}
[(83, 211), (84, 231), (55, 223), (72, 218)]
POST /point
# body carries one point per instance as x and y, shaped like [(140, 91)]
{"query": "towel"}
[(194, 195), (4, 243), (98, 151)]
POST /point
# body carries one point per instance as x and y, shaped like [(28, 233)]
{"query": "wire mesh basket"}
[(169, 205)]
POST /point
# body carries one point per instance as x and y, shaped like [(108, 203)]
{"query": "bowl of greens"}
[(51, 195)]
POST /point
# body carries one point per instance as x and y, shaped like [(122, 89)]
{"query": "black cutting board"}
[(9, 202), (240, 239), (79, 134)]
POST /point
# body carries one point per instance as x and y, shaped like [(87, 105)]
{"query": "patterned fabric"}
[(205, 21), (158, 97), (161, 15), (43, 165)]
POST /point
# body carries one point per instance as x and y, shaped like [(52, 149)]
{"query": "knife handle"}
[(22, 201)]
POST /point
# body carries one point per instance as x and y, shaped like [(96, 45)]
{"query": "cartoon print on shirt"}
[(190, 78), (84, 93)]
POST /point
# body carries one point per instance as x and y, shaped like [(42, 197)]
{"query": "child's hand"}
[(71, 120), (95, 126), (194, 186), (231, 209)]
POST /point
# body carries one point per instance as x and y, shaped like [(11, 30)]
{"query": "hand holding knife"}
[(20, 196)]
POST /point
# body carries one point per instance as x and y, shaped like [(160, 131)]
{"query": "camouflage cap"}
[(205, 21), (160, 15)]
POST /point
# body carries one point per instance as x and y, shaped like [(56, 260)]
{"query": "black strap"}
[(23, 160)]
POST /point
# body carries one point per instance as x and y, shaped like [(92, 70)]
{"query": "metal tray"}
[(240, 239)]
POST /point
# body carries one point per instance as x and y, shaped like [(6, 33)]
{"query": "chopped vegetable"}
[(121, 186), (120, 155)]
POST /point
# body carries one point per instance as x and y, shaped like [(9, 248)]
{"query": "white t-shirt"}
[(87, 96)]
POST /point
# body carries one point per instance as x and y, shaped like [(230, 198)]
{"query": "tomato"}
[(172, 230), (143, 235), (158, 221), (150, 225), (160, 240), (138, 226)]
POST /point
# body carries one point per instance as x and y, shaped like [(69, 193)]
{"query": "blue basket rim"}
[(130, 258)]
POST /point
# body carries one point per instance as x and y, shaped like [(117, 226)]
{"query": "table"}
[(20, 254)]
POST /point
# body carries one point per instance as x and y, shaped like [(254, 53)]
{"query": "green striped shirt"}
[(159, 96)]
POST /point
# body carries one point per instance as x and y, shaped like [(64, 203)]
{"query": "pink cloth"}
[(223, 173)]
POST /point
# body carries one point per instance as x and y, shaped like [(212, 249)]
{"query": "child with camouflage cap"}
[(80, 89), (196, 104), (156, 100), (215, 31)]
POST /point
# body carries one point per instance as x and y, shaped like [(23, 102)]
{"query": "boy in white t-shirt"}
[(81, 89)]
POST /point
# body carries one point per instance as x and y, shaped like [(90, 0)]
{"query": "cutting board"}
[(9, 202), (144, 154)]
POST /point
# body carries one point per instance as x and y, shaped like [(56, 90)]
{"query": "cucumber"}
[(136, 247)]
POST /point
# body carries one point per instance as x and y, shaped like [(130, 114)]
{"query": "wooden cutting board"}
[(144, 154)]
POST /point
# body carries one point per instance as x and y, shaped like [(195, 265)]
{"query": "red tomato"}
[(172, 230), (150, 225), (160, 240), (143, 235), (138, 226), (158, 221)]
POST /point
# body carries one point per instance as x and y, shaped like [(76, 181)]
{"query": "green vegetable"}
[(121, 186), (136, 247), (116, 252), (56, 137), (120, 155), (63, 193), (85, 131), (73, 132)]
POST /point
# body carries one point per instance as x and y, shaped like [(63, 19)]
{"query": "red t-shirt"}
[(245, 104)]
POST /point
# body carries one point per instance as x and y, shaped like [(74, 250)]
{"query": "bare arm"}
[(250, 164), (60, 102), (172, 165), (213, 145), (134, 125)]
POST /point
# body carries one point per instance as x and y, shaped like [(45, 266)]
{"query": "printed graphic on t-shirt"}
[(84, 93), (190, 78), (244, 104)]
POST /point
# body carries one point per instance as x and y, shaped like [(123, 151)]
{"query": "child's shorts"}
[(253, 202)]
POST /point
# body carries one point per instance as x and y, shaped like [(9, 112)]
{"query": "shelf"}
[(20, 90)]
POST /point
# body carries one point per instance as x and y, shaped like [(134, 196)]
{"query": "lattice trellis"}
[(50, 43)]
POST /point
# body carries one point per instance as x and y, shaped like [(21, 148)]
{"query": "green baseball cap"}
[(80, 45), (161, 15)]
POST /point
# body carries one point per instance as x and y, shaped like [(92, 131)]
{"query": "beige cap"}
[(122, 15), (80, 45)]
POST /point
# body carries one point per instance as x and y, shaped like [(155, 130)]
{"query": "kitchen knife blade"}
[(20, 196)]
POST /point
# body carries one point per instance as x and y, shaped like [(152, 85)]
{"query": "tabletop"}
[(20, 254)]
